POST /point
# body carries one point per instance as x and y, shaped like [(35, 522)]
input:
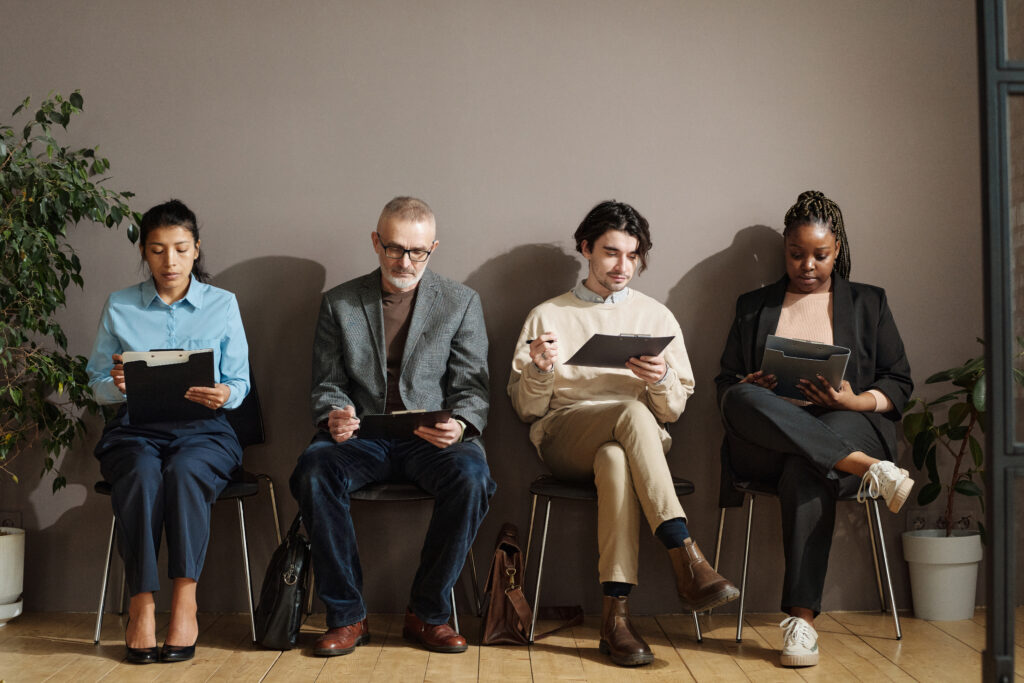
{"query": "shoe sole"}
[(810, 659), (901, 495), (335, 652), (638, 659), (720, 598), (452, 649)]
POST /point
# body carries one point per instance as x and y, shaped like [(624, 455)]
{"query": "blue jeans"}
[(327, 472)]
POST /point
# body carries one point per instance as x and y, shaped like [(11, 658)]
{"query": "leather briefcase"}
[(283, 595)]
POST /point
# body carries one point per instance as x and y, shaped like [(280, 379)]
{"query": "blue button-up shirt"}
[(137, 319)]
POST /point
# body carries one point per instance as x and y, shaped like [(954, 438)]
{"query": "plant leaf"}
[(928, 493)]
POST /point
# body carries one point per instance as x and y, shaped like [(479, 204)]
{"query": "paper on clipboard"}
[(156, 382), (791, 360), (615, 350), (399, 424)]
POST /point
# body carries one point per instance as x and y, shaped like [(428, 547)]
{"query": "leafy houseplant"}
[(45, 188), (950, 424)]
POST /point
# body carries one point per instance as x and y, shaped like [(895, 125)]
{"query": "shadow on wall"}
[(510, 285), (279, 297)]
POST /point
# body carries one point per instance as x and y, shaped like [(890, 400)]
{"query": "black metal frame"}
[(999, 79)]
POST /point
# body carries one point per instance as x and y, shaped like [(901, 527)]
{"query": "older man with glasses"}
[(400, 338)]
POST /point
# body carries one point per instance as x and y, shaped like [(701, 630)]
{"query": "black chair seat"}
[(244, 485), (391, 490), (548, 486), (759, 488)]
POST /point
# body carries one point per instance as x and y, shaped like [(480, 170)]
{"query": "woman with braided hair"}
[(840, 439)]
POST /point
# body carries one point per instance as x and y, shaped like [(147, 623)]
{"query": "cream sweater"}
[(538, 396)]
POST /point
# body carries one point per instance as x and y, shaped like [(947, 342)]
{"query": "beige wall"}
[(287, 126)]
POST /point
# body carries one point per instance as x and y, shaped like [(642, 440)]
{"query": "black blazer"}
[(861, 321)]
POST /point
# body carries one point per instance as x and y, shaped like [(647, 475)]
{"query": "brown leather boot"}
[(700, 587), (619, 639), (342, 640)]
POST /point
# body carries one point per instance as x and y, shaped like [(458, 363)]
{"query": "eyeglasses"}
[(393, 251)]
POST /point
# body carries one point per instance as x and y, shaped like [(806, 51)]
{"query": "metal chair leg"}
[(696, 625), (273, 504), (312, 590), (743, 581), (103, 586), (888, 575), (478, 601), (248, 574), (455, 613), (540, 568), (529, 534), (874, 557), (718, 542)]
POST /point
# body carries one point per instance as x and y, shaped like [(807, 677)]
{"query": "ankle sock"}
[(673, 532), (616, 589)]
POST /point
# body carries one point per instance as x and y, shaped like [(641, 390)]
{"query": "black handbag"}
[(279, 612)]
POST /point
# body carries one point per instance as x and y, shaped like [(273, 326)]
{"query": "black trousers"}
[(796, 449)]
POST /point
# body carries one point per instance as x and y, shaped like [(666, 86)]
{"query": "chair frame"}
[(750, 494), (245, 558), (544, 543)]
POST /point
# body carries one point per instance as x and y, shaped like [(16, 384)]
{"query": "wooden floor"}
[(854, 647)]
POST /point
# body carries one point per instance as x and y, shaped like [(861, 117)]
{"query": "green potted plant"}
[(944, 562), (45, 188)]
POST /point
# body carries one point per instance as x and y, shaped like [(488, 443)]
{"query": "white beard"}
[(404, 283)]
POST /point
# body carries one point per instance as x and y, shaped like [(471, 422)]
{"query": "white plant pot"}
[(943, 572), (12, 572)]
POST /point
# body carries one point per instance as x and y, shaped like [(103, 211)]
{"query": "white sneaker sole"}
[(808, 659), (901, 494)]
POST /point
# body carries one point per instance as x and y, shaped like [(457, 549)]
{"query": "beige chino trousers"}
[(622, 446)]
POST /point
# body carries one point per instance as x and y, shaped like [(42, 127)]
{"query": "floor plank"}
[(854, 647)]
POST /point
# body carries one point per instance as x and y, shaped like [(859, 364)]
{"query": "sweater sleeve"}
[(667, 399), (529, 389)]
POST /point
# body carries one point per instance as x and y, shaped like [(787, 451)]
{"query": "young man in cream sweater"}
[(606, 424)]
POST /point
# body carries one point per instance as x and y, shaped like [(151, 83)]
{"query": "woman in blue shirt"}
[(166, 475)]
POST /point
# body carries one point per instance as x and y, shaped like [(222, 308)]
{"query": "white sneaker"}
[(888, 481), (799, 643)]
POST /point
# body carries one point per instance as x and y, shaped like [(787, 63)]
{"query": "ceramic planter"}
[(943, 572), (12, 572)]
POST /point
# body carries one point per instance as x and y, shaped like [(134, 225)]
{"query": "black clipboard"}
[(791, 360), (157, 381), (400, 424), (615, 350)]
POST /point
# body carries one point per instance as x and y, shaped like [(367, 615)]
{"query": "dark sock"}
[(616, 589), (672, 532)]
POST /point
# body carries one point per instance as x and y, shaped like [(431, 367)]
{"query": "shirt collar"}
[(581, 292), (194, 296)]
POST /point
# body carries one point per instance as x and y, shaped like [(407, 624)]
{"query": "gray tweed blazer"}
[(445, 359)]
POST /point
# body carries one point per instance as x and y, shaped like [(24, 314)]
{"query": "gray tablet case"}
[(614, 350), (157, 381), (399, 425), (791, 360)]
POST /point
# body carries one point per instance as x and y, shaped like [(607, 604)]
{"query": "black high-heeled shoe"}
[(139, 655), (177, 653)]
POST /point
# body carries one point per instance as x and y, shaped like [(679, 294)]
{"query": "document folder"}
[(156, 382), (791, 360), (399, 424), (613, 351)]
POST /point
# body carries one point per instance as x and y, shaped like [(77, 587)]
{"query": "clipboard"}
[(157, 381), (614, 350), (791, 360), (399, 424)]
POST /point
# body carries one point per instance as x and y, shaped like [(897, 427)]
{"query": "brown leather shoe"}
[(619, 639), (700, 587), (342, 640), (434, 637)]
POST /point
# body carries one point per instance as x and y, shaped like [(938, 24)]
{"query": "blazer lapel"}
[(374, 311), (768, 318), (422, 311), (844, 331)]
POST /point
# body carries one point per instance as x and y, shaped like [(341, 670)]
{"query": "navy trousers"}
[(327, 472), (165, 477), (796, 448)]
